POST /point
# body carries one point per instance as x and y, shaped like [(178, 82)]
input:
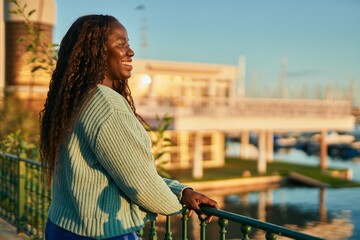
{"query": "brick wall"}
[(17, 69)]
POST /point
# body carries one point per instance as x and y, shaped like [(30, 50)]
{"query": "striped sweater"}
[(106, 184)]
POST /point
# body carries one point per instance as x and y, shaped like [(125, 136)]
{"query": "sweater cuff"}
[(176, 187)]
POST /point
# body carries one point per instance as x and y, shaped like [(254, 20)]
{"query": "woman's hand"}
[(193, 199)]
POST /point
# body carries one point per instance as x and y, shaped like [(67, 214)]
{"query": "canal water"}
[(331, 213)]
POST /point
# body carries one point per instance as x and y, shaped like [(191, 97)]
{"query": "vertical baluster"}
[(6, 175), (21, 194), (185, 219), (168, 229), (1, 182), (152, 233), (30, 202), (141, 233), (202, 227), (270, 236), (223, 223), (38, 200), (245, 230), (43, 201), (26, 192), (13, 188), (12, 193)]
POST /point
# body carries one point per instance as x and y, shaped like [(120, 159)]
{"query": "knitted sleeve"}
[(121, 149), (176, 187)]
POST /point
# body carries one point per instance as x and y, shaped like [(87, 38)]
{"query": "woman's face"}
[(119, 55)]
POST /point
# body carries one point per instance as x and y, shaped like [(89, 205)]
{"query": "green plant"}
[(17, 143), (160, 143), (43, 55)]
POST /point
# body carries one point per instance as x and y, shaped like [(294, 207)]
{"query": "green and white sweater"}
[(107, 184)]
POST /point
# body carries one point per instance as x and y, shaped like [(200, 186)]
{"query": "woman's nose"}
[(130, 52)]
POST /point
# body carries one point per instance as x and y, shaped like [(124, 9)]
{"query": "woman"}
[(105, 185)]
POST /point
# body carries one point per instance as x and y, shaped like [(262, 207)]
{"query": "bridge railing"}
[(25, 198), (246, 107)]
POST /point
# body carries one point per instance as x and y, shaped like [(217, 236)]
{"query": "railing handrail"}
[(268, 227), (206, 107), (26, 160)]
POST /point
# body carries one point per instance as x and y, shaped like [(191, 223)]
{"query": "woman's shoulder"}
[(103, 104), (110, 99)]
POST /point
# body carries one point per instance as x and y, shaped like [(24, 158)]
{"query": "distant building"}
[(173, 88), (15, 71)]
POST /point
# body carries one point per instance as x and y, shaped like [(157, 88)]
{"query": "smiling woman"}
[(93, 146)]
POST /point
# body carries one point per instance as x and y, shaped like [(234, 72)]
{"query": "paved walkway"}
[(8, 232)]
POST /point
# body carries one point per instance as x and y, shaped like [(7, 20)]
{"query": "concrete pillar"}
[(269, 197), (198, 156), (244, 198), (322, 206), (184, 158), (218, 148), (244, 145), (261, 166), (269, 146), (262, 206), (323, 150)]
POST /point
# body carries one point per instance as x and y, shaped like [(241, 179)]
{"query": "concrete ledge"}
[(306, 180), (237, 184)]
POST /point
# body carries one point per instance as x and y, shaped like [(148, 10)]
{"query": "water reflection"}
[(328, 213)]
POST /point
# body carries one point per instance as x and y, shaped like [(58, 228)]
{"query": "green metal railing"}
[(245, 227), (25, 198)]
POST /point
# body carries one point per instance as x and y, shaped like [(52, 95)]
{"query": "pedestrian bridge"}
[(226, 114), (240, 116)]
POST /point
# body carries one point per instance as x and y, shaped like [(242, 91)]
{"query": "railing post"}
[(185, 219), (152, 233), (141, 233), (223, 223), (270, 236), (44, 201), (202, 227), (168, 229), (245, 230), (20, 194)]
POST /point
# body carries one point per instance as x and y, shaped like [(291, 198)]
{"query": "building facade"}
[(16, 74)]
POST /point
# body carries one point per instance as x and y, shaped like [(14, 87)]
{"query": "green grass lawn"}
[(235, 168)]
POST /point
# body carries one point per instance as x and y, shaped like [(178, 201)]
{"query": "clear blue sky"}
[(320, 38)]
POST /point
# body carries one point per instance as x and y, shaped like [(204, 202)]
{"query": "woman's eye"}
[(123, 45)]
